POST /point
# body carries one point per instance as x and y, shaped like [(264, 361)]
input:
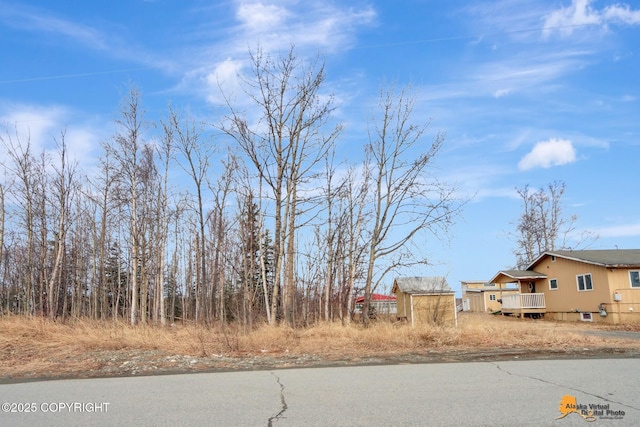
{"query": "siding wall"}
[(479, 303), (627, 310), (402, 308), (567, 298), (476, 303), (492, 305), (438, 309), (563, 302)]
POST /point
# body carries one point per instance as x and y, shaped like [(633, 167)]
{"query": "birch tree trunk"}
[(126, 152), (290, 138), (64, 183), (406, 200)]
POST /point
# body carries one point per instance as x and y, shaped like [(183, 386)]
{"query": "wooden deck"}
[(523, 304)]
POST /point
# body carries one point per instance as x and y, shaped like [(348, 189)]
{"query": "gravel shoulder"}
[(142, 363)]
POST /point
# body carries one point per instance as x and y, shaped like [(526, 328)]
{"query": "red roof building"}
[(383, 304)]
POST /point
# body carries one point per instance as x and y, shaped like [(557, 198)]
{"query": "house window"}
[(586, 317), (585, 283), (553, 284), (492, 297), (634, 277)]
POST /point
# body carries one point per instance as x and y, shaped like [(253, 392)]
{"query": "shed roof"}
[(610, 258), (422, 285), (508, 276), (377, 297), (490, 289)]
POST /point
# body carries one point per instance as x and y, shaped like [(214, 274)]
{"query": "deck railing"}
[(518, 301)]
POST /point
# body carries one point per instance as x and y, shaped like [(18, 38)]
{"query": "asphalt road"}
[(522, 393)]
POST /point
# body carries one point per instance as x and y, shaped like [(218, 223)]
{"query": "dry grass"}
[(473, 331), (36, 344)]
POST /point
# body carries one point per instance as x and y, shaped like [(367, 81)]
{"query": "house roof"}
[(486, 286), (515, 275), (489, 289), (610, 258), (422, 285), (473, 282), (377, 297)]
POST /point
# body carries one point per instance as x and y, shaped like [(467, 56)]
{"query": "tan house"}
[(480, 297), (423, 300), (589, 285)]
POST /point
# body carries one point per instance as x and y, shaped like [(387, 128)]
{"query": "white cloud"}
[(273, 26), (581, 13), (506, 17), (622, 13), (257, 16), (545, 154), (532, 73), (32, 124), (627, 230), (42, 126), (225, 75), (501, 92), (34, 19), (64, 30)]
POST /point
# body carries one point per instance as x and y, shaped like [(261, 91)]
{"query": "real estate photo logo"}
[(590, 412)]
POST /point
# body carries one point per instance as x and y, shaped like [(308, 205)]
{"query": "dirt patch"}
[(122, 363)]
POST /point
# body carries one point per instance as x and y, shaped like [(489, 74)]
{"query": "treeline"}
[(172, 226)]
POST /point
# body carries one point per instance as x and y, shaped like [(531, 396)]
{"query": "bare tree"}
[(249, 236), (354, 220), (65, 187), (253, 237), (165, 150), (42, 192), (23, 167), (284, 145), (3, 296), (406, 200), (104, 203), (542, 225), (1, 223), (127, 153), (149, 208), (197, 157), (330, 195), (219, 228)]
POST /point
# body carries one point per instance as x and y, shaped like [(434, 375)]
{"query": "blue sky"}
[(526, 94)]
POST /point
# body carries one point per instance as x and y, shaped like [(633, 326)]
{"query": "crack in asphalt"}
[(282, 401), (497, 365)]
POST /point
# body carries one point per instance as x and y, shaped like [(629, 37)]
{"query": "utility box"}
[(617, 296)]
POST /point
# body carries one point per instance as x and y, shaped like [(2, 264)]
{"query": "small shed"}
[(425, 300)]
